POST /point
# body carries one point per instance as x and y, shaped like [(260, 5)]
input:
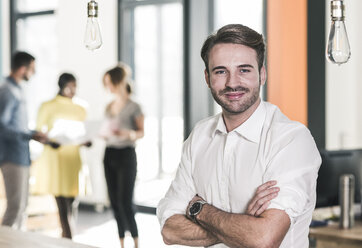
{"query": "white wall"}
[(89, 68), (344, 87), (87, 65)]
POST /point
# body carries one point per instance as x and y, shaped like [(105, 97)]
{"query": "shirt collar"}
[(63, 99), (250, 129), (220, 126), (12, 81)]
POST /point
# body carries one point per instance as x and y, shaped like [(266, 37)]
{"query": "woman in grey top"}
[(126, 124)]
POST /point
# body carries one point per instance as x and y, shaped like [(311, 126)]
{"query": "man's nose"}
[(233, 80)]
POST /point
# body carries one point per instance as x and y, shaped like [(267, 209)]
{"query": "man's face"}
[(234, 77), (29, 71)]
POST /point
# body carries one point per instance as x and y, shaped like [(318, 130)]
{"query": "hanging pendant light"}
[(92, 37), (338, 49)]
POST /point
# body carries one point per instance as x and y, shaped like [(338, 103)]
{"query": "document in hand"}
[(70, 132)]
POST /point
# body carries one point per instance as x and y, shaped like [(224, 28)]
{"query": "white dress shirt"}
[(225, 169)]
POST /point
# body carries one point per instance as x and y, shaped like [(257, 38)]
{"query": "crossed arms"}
[(257, 228), (294, 162)]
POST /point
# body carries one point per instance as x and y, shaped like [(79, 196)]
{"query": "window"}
[(152, 44), (26, 6), (248, 13), (1, 32), (34, 25), (37, 36), (156, 58)]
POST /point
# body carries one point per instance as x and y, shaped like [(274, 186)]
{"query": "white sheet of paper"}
[(69, 132), (108, 127)]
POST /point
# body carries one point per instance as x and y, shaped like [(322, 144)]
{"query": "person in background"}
[(120, 163), (57, 169), (14, 139)]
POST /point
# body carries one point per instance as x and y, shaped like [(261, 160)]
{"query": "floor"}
[(99, 229)]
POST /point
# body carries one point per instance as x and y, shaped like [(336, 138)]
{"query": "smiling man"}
[(228, 156)]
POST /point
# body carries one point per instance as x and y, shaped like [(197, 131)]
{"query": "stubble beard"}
[(240, 106), (25, 77)]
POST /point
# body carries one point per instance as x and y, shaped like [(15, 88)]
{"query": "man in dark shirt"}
[(14, 139)]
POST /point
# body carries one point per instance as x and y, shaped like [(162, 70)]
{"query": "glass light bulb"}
[(338, 49), (92, 37)]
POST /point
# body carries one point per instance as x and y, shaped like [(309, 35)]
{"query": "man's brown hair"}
[(235, 34)]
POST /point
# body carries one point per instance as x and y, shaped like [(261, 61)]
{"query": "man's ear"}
[(22, 69), (207, 79), (262, 75)]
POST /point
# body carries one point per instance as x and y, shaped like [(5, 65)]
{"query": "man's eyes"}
[(242, 70)]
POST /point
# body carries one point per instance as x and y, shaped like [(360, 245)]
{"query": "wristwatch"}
[(195, 209)]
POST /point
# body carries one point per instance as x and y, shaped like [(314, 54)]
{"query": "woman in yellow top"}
[(57, 170)]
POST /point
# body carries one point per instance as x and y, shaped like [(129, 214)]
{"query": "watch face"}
[(195, 208)]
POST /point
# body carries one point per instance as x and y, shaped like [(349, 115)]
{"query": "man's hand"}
[(126, 134), (261, 200), (87, 144), (40, 137)]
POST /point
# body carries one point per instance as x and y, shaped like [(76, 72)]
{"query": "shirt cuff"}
[(168, 208), (28, 135), (288, 211)]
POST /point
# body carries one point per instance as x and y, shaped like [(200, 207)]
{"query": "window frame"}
[(125, 54), (16, 15)]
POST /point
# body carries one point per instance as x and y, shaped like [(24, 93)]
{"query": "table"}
[(11, 238), (332, 236)]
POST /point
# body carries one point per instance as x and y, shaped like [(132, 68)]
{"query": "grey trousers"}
[(16, 181)]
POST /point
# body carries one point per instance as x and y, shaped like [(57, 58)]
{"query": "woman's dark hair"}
[(235, 34), (119, 74), (20, 59), (64, 79), (129, 88)]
